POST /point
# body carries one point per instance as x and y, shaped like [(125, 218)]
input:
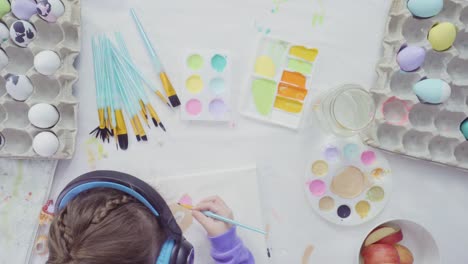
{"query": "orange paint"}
[(290, 91), (288, 105), (294, 78)]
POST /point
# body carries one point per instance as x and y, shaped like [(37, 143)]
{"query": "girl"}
[(105, 225)]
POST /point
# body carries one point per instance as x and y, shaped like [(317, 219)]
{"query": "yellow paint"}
[(265, 66), (349, 183), (326, 203), (194, 84), (293, 92), (304, 53), (320, 168), (442, 36), (167, 85), (363, 208), (288, 105)]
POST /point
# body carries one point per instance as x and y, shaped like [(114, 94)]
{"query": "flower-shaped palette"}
[(348, 183)]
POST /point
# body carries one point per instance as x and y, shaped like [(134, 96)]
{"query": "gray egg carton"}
[(63, 37), (432, 132)]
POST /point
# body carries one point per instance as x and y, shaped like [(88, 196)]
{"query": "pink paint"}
[(193, 107), (317, 187), (368, 157), (186, 199)]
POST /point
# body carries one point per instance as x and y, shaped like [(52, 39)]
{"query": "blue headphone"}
[(176, 249)]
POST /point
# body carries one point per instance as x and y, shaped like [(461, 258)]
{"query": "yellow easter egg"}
[(442, 36)]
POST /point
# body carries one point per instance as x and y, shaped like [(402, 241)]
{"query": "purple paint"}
[(410, 58), (332, 154), (344, 211), (317, 187), (193, 107), (368, 157), (217, 108)]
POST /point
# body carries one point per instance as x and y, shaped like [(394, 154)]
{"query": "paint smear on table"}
[(318, 17), (265, 66), (263, 92), (277, 4), (363, 208), (307, 254), (276, 215)]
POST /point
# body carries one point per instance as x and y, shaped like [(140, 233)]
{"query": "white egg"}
[(43, 115), (3, 59), (47, 62), (22, 33), (50, 10), (46, 144), (4, 33), (19, 87)]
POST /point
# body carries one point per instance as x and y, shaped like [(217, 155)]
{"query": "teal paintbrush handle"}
[(232, 222)]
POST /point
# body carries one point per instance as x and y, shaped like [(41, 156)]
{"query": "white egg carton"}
[(432, 132), (63, 37)]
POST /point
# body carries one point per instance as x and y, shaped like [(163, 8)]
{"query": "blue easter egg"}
[(464, 128), (425, 8), (411, 58), (432, 91)]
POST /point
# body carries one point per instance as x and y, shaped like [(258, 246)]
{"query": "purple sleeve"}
[(229, 249)]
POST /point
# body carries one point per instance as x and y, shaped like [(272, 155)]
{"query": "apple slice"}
[(380, 253), (384, 235), (406, 257)]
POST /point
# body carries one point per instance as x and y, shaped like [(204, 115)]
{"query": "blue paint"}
[(351, 151), (217, 86), (218, 63)]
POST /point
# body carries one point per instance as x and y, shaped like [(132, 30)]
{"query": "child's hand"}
[(215, 205)]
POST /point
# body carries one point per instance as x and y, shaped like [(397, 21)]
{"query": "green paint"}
[(376, 194), (263, 92), (195, 62), (4, 8), (300, 66), (218, 63), (19, 179)]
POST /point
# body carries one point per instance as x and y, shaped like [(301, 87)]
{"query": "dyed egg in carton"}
[(405, 123), (42, 72), (280, 82), (207, 86)]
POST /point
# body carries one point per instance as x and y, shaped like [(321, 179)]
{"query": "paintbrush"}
[(143, 99), (224, 219), (170, 91)]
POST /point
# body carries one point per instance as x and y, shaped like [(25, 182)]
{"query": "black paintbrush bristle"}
[(123, 141), (144, 138), (138, 138), (174, 99), (155, 122), (162, 127)]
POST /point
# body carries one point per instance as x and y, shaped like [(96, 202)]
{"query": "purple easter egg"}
[(410, 58), (23, 9)]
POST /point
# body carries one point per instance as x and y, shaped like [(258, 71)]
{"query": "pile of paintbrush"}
[(120, 91)]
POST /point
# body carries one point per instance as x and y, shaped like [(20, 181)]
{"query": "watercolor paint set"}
[(347, 183), (421, 90), (279, 85), (207, 91)]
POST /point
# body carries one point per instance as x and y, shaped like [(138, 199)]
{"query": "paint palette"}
[(280, 82), (207, 91), (348, 183)]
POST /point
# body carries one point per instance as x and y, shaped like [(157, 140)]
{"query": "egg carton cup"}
[(432, 132), (62, 37)]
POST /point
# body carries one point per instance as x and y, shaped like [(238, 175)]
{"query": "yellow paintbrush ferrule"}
[(138, 126), (161, 96), (134, 127), (121, 128), (186, 206), (153, 113), (102, 121), (143, 111), (109, 116), (170, 91)]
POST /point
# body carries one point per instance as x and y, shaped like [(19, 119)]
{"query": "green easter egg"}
[(4, 8)]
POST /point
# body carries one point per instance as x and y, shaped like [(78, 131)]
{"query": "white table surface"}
[(349, 42)]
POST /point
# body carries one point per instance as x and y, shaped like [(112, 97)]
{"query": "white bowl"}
[(416, 238)]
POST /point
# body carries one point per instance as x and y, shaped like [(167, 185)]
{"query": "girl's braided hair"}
[(104, 226)]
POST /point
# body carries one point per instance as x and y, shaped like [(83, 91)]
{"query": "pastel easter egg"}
[(4, 7), (23, 9), (19, 87), (410, 58), (22, 33), (432, 91), (4, 33), (464, 128), (425, 8), (50, 10), (46, 144), (442, 36)]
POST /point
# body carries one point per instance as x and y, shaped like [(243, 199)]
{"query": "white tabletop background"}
[(349, 42)]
